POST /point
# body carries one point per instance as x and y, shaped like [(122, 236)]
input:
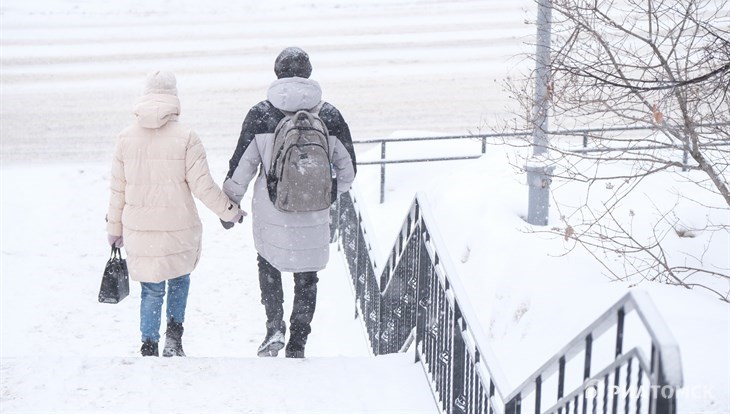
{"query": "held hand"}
[(116, 241), (226, 225), (238, 218)]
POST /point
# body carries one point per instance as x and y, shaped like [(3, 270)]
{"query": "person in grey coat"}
[(287, 241)]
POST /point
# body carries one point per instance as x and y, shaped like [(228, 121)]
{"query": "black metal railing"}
[(416, 297), (389, 313), (629, 381), (411, 298)]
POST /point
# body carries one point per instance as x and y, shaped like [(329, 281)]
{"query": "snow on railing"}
[(417, 297)]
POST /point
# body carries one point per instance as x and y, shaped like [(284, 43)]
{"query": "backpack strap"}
[(317, 108)]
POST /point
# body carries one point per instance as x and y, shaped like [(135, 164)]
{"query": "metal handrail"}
[(576, 132), (416, 296), (584, 132), (410, 160), (646, 147), (665, 365)]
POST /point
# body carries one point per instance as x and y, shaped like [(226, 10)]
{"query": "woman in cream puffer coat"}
[(159, 164)]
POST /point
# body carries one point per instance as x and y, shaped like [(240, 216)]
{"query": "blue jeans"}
[(150, 309)]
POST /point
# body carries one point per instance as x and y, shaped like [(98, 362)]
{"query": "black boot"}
[(173, 340), (297, 341), (274, 341), (149, 348)]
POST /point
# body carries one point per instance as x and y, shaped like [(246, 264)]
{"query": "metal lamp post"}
[(538, 171)]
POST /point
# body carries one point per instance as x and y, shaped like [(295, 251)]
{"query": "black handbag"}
[(115, 282)]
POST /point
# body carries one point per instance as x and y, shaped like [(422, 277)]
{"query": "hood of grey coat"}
[(155, 110), (294, 94)]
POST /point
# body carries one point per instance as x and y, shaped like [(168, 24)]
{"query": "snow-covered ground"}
[(80, 384), (71, 71)]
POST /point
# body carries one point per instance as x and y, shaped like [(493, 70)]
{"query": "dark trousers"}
[(272, 297)]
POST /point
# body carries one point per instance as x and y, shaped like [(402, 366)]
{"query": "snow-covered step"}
[(392, 383)]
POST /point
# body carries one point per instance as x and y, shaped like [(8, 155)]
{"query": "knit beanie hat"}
[(161, 81), (292, 62)]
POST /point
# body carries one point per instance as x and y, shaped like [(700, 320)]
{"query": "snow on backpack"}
[(301, 176)]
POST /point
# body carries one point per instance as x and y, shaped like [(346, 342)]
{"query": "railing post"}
[(514, 406), (666, 405), (457, 361), (538, 394), (422, 298), (620, 332), (561, 380), (587, 366), (619, 350), (663, 397), (382, 172)]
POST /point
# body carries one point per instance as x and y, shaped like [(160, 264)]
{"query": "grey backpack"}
[(300, 177)]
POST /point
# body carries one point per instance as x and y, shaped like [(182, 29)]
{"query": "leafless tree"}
[(662, 64)]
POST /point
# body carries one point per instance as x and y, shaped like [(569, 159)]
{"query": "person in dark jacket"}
[(296, 242)]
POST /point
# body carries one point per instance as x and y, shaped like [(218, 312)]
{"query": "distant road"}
[(72, 70)]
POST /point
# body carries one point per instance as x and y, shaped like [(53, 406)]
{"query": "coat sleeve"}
[(343, 156), (246, 157), (117, 197), (201, 183)]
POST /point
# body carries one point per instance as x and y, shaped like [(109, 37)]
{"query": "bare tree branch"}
[(656, 63)]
